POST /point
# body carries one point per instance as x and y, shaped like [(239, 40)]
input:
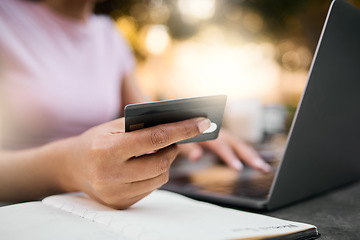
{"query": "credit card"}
[(144, 115)]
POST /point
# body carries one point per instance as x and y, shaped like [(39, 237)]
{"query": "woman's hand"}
[(118, 168), (230, 149)]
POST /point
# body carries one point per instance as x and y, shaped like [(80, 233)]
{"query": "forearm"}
[(33, 173)]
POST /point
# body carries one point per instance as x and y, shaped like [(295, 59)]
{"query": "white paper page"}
[(166, 215), (35, 220)]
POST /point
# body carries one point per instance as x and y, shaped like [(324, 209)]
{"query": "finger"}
[(225, 152), (150, 165), (192, 151), (134, 200), (140, 187), (157, 137), (129, 193), (247, 154), (122, 204)]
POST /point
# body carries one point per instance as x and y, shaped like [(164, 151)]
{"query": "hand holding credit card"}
[(144, 115)]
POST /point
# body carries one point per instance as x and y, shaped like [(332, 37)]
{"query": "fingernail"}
[(237, 165), (262, 165), (203, 124), (267, 168)]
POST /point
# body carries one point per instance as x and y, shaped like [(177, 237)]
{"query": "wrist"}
[(60, 158)]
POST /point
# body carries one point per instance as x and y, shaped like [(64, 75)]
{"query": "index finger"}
[(160, 136)]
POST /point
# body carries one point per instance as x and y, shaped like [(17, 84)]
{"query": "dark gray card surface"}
[(144, 115)]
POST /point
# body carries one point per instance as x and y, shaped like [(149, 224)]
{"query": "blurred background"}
[(257, 52)]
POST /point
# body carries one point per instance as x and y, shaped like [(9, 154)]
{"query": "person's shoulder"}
[(104, 22), (10, 5), (15, 3), (15, 10), (7, 2), (108, 27)]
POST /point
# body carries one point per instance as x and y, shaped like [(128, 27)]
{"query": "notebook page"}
[(35, 220), (166, 215)]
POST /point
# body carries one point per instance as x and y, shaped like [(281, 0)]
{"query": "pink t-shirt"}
[(58, 76)]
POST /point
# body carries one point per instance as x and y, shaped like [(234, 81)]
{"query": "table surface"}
[(336, 213)]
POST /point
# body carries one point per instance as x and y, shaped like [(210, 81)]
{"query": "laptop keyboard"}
[(212, 177), (255, 187)]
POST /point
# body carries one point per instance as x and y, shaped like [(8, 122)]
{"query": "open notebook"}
[(161, 215)]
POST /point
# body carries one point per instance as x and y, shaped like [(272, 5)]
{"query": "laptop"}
[(322, 149)]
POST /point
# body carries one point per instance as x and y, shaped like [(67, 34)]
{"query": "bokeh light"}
[(157, 39), (196, 10), (249, 49)]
